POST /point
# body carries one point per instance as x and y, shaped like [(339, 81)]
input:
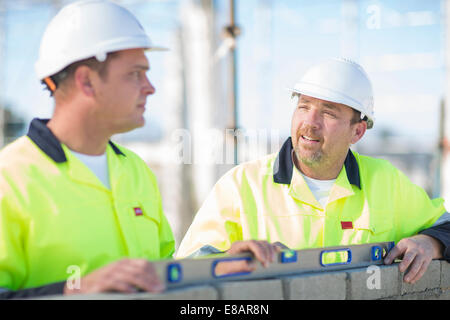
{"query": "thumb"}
[(395, 252)]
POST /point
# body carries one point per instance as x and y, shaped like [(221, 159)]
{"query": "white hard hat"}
[(86, 29), (341, 81)]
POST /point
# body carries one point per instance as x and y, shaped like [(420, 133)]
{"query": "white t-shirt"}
[(97, 164), (320, 189)]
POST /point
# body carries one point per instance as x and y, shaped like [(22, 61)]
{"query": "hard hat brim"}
[(335, 99), (40, 66), (157, 48)]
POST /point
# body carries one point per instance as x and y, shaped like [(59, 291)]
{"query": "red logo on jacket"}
[(346, 225), (138, 211)]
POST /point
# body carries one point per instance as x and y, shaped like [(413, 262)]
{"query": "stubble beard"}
[(313, 160)]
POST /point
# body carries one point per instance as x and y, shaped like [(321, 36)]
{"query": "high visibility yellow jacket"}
[(268, 199), (55, 213)]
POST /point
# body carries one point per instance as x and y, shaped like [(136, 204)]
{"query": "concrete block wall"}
[(381, 282)]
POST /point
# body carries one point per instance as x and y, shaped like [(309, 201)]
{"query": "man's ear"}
[(358, 131), (83, 79)]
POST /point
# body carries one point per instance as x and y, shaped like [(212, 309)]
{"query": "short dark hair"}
[(62, 77), (356, 117)]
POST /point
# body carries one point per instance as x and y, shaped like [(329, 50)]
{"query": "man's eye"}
[(136, 74)]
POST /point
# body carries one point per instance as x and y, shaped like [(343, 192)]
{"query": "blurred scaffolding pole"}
[(197, 23), (445, 170), (3, 12), (350, 34), (231, 32)]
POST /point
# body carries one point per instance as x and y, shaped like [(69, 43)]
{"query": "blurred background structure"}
[(221, 95)]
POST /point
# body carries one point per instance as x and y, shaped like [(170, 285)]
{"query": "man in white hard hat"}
[(74, 205), (316, 192)]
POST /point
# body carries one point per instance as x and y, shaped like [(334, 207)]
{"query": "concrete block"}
[(430, 280), (270, 289), (89, 296), (374, 282), (433, 294), (187, 293), (93, 296), (315, 286), (445, 274), (445, 295)]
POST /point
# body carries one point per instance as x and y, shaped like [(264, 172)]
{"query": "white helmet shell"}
[(341, 81), (85, 29)]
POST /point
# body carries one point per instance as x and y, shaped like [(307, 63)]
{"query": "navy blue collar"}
[(283, 166), (44, 138)]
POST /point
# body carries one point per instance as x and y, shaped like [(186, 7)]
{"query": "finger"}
[(148, 283), (413, 270), (144, 268), (112, 284), (421, 271), (266, 251), (274, 252), (143, 264), (252, 246), (140, 280), (231, 267), (280, 246), (394, 253), (140, 273), (238, 247), (157, 284), (120, 286), (408, 258), (267, 254)]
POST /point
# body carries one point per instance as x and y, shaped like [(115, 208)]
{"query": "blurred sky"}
[(25, 24), (399, 42)]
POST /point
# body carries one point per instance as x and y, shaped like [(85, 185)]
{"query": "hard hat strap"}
[(50, 84)]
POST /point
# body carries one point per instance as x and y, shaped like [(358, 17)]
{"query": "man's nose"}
[(312, 119), (148, 88)]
